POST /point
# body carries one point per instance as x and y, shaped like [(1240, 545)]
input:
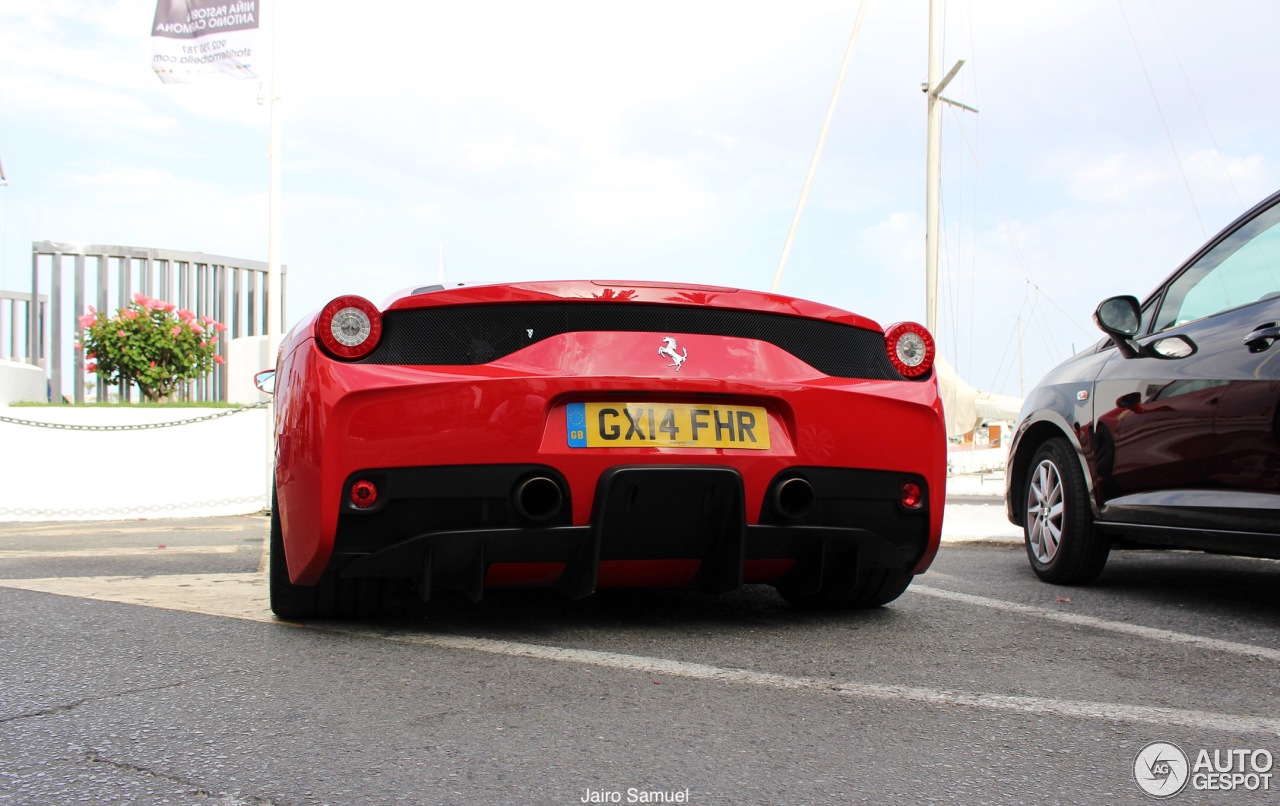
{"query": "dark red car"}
[(1166, 434), (584, 435)]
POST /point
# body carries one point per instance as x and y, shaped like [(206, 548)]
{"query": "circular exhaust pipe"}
[(793, 497), (537, 498)]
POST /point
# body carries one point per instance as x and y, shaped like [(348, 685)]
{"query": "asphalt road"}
[(140, 665)]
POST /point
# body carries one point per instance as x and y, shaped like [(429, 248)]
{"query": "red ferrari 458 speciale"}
[(587, 435)]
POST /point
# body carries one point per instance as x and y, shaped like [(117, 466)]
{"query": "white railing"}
[(68, 278)]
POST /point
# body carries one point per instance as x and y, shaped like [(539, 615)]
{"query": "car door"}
[(1248, 424), (1153, 428), (1204, 422)]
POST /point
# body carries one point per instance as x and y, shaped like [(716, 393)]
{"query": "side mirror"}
[(1120, 318), (266, 381)]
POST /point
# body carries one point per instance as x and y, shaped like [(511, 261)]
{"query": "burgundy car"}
[(1167, 433)]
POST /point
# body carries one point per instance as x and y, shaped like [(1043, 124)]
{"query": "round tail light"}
[(349, 327), (910, 349)]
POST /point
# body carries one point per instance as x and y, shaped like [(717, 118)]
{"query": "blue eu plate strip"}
[(576, 424)]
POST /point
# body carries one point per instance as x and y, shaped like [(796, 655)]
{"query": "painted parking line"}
[(1125, 628), (98, 529), (102, 553), (1037, 706), (244, 596), (240, 596)]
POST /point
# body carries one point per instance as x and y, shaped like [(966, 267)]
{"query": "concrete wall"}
[(201, 469), (246, 356), (22, 383)]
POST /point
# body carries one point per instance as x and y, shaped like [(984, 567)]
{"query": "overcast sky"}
[(667, 140)]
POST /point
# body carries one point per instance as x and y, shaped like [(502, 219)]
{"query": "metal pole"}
[(933, 171), (33, 313), (273, 215)]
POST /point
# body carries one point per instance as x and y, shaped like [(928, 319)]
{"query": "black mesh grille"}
[(477, 334)]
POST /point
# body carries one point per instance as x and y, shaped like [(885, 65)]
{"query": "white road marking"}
[(241, 596), (1150, 633), (244, 596), (1098, 711), (136, 551), (98, 529)]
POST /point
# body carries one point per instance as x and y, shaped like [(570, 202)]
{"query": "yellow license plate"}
[(667, 425)]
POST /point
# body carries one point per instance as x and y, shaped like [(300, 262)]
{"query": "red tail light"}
[(911, 495), (349, 327), (910, 349), (363, 494)]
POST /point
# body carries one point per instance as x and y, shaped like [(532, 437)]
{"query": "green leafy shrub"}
[(150, 343)]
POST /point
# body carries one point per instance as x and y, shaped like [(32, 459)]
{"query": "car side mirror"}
[(266, 381), (1120, 318)]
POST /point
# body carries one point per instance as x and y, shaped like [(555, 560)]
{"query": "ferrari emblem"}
[(668, 350)]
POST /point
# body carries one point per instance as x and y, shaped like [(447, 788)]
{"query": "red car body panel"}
[(337, 418)]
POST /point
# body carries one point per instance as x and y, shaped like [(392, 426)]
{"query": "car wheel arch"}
[(1030, 440)]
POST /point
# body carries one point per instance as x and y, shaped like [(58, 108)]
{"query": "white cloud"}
[(636, 196), (1115, 179)]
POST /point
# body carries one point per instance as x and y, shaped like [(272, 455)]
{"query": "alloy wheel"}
[(1045, 511)]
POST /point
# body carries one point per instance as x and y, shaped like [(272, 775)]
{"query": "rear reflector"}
[(363, 494), (911, 495)]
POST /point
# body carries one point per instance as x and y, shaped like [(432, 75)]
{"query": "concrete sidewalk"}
[(975, 511)]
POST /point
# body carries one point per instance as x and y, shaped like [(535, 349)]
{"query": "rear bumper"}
[(444, 442), (463, 528)]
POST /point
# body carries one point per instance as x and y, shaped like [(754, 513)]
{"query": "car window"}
[(1243, 268)]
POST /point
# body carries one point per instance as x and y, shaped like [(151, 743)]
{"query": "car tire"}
[(873, 589), (1061, 541), (330, 598), (288, 600)]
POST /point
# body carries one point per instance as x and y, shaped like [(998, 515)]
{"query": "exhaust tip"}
[(793, 497), (537, 499)]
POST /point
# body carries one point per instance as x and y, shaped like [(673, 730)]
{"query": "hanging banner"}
[(196, 39)]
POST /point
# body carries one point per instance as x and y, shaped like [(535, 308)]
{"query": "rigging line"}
[(1196, 99), (950, 288), (949, 274), (995, 380), (1163, 122), (1046, 337), (1013, 242), (817, 152), (1002, 374), (1019, 323), (944, 280)]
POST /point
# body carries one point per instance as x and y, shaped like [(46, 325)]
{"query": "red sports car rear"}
[(585, 435)]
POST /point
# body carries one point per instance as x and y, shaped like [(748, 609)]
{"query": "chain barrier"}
[(136, 427), (246, 505)]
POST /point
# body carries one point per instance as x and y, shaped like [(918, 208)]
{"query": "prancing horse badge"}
[(668, 350)]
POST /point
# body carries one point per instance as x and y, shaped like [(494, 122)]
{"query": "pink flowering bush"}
[(150, 343)]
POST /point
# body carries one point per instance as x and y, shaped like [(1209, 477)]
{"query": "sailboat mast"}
[(933, 170), (933, 161)]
